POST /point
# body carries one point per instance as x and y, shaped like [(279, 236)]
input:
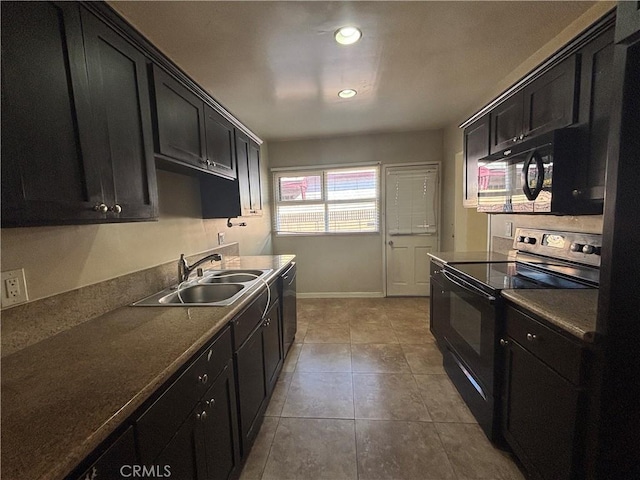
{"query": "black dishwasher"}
[(289, 309)]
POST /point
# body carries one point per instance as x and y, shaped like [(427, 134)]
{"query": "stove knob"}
[(577, 247), (589, 249), (530, 240)]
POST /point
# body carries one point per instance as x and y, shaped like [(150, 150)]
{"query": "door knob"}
[(391, 243)]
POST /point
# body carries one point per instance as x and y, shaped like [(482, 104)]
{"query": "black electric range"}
[(467, 310)]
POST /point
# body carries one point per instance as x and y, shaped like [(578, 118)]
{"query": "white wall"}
[(59, 259), (347, 264)]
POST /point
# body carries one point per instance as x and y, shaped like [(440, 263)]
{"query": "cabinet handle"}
[(203, 378), (116, 208), (210, 403), (504, 342), (532, 337), (101, 207)]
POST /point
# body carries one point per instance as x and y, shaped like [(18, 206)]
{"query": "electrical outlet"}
[(14, 288), (221, 238), (508, 229)]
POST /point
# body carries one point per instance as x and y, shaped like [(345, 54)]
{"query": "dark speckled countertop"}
[(574, 311), (62, 396)]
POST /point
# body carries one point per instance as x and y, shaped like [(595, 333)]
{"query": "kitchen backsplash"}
[(24, 325)]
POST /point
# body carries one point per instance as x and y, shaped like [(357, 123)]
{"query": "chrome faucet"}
[(184, 270)]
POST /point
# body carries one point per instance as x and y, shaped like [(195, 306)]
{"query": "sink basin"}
[(231, 278), (218, 288), (202, 294), (249, 274)]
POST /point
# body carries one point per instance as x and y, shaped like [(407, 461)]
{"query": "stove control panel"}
[(584, 248)]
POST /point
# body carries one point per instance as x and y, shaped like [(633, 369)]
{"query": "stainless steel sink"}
[(217, 288), (203, 294)]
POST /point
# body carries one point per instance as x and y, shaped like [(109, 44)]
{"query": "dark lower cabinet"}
[(76, 124), (206, 445), (543, 399), (259, 361), (116, 462)]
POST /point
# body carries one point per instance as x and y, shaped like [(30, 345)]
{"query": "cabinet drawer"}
[(248, 320), (157, 425), (115, 461), (560, 353)]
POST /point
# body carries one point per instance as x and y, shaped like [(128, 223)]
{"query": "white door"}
[(411, 226)]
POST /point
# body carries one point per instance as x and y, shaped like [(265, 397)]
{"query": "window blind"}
[(336, 200), (412, 204)]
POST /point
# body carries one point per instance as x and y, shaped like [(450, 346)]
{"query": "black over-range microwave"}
[(539, 175)]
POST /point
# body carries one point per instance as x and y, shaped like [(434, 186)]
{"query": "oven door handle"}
[(468, 287)]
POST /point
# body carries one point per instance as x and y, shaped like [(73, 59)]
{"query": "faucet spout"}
[(184, 270)]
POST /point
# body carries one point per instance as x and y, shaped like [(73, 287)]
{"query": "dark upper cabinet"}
[(506, 123), (119, 89), (248, 155), (75, 148), (596, 79), (47, 174), (180, 120), (476, 146), (547, 103), (190, 133), (221, 154)]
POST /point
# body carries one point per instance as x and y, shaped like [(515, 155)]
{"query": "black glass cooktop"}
[(512, 275)]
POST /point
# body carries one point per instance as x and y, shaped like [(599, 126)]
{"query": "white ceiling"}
[(419, 65)]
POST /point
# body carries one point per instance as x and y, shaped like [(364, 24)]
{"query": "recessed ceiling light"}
[(347, 35), (347, 93)]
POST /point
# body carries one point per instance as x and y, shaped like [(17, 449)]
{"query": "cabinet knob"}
[(203, 378), (210, 403), (503, 342), (116, 208), (202, 416), (101, 207), (532, 337), (267, 322)]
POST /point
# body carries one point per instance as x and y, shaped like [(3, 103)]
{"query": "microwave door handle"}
[(534, 156), (470, 288)]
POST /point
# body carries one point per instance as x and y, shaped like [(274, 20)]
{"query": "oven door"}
[(463, 318)]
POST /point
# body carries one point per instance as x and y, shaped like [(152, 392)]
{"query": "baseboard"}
[(341, 295)]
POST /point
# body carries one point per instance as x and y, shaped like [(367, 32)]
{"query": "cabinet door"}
[(596, 78), (476, 146), (121, 454), (549, 101), (120, 99), (221, 154), (439, 309), (180, 120), (220, 427), (242, 155), (255, 187), (251, 385), (272, 335), (506, 123), (47, 177), (185, 453), (540, 409)]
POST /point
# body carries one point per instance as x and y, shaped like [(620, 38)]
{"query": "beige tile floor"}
[(363, 395)]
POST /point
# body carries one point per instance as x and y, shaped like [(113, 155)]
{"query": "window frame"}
[(322, 172)]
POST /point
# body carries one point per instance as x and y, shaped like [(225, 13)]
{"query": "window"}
[(336, 200)]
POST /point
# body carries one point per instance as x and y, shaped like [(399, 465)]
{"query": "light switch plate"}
[(508, 229), (221, 238), (14, 288)]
